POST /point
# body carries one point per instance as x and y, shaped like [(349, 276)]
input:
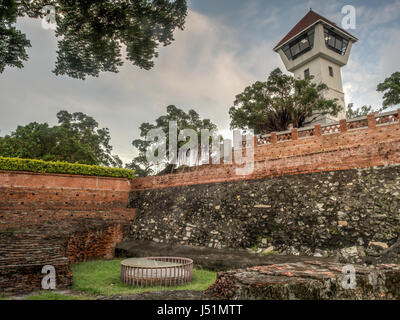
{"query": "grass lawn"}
[(102, 277), (49, 295), (55, 296)]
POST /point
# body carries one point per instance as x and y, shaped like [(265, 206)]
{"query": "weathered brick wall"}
[(89, 215), (22, 257), (19, 279), (366, 147), (31, 198), (96, 241), (57, 219)]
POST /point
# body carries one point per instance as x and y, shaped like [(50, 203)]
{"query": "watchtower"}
[(318, 47)]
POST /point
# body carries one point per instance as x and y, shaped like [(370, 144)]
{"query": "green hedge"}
[(41, 166)]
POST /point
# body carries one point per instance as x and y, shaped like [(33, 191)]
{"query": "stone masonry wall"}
[(314, 191), (314, 213)]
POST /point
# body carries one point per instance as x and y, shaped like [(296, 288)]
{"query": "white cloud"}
[(202, 69), (380, 15)]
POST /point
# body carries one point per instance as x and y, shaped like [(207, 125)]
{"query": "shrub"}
[(41, 166)]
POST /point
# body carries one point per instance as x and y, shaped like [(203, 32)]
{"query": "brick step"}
[(31, 254), (37, 255), (23, 242), (34, 253), (22, 235), (6, 261), (25, 238), (43, 245), (28, 250), (41, 262), (20, 245)]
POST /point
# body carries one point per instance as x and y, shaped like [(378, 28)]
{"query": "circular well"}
[(151, 271)]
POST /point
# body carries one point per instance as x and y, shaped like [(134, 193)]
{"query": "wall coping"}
[(26, 179), (63, 175)]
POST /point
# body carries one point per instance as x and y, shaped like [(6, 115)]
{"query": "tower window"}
[(299, 46), (335, 42), (307, 74), (331, 71)]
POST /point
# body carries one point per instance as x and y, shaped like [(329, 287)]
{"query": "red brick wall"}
[(95, 242), (47, 218), (355, 148), (31, 198), (20, 279)]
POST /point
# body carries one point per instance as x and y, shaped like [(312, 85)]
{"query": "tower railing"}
[(373, 120)]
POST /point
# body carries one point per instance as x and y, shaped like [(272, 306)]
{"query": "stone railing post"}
[(343, 125), (371, 121), (255, 141), (274, 139), (317, 130), (295, 134)]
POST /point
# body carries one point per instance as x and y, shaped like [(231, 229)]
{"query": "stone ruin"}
[(313, 280)]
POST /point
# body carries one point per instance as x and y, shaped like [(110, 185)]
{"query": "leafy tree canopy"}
[(12, 41), (92, 33), (281, 100), (189, 120), (391, 89), (353, 112), (76, 138), (391, 97)]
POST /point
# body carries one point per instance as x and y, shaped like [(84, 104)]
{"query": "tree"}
[(12, 41), (189, 120), (391, 89), (141, 166), (281, 100), (76, 139), (352, 113), (92, 33)]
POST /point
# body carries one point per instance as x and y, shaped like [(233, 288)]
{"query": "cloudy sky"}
[(226, 45)]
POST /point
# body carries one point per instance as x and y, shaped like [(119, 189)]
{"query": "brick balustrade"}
[(370, 121)]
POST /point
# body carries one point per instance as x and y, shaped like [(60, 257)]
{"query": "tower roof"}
[(308, 20)]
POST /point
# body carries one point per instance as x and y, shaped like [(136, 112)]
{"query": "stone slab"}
[(309, 280)]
